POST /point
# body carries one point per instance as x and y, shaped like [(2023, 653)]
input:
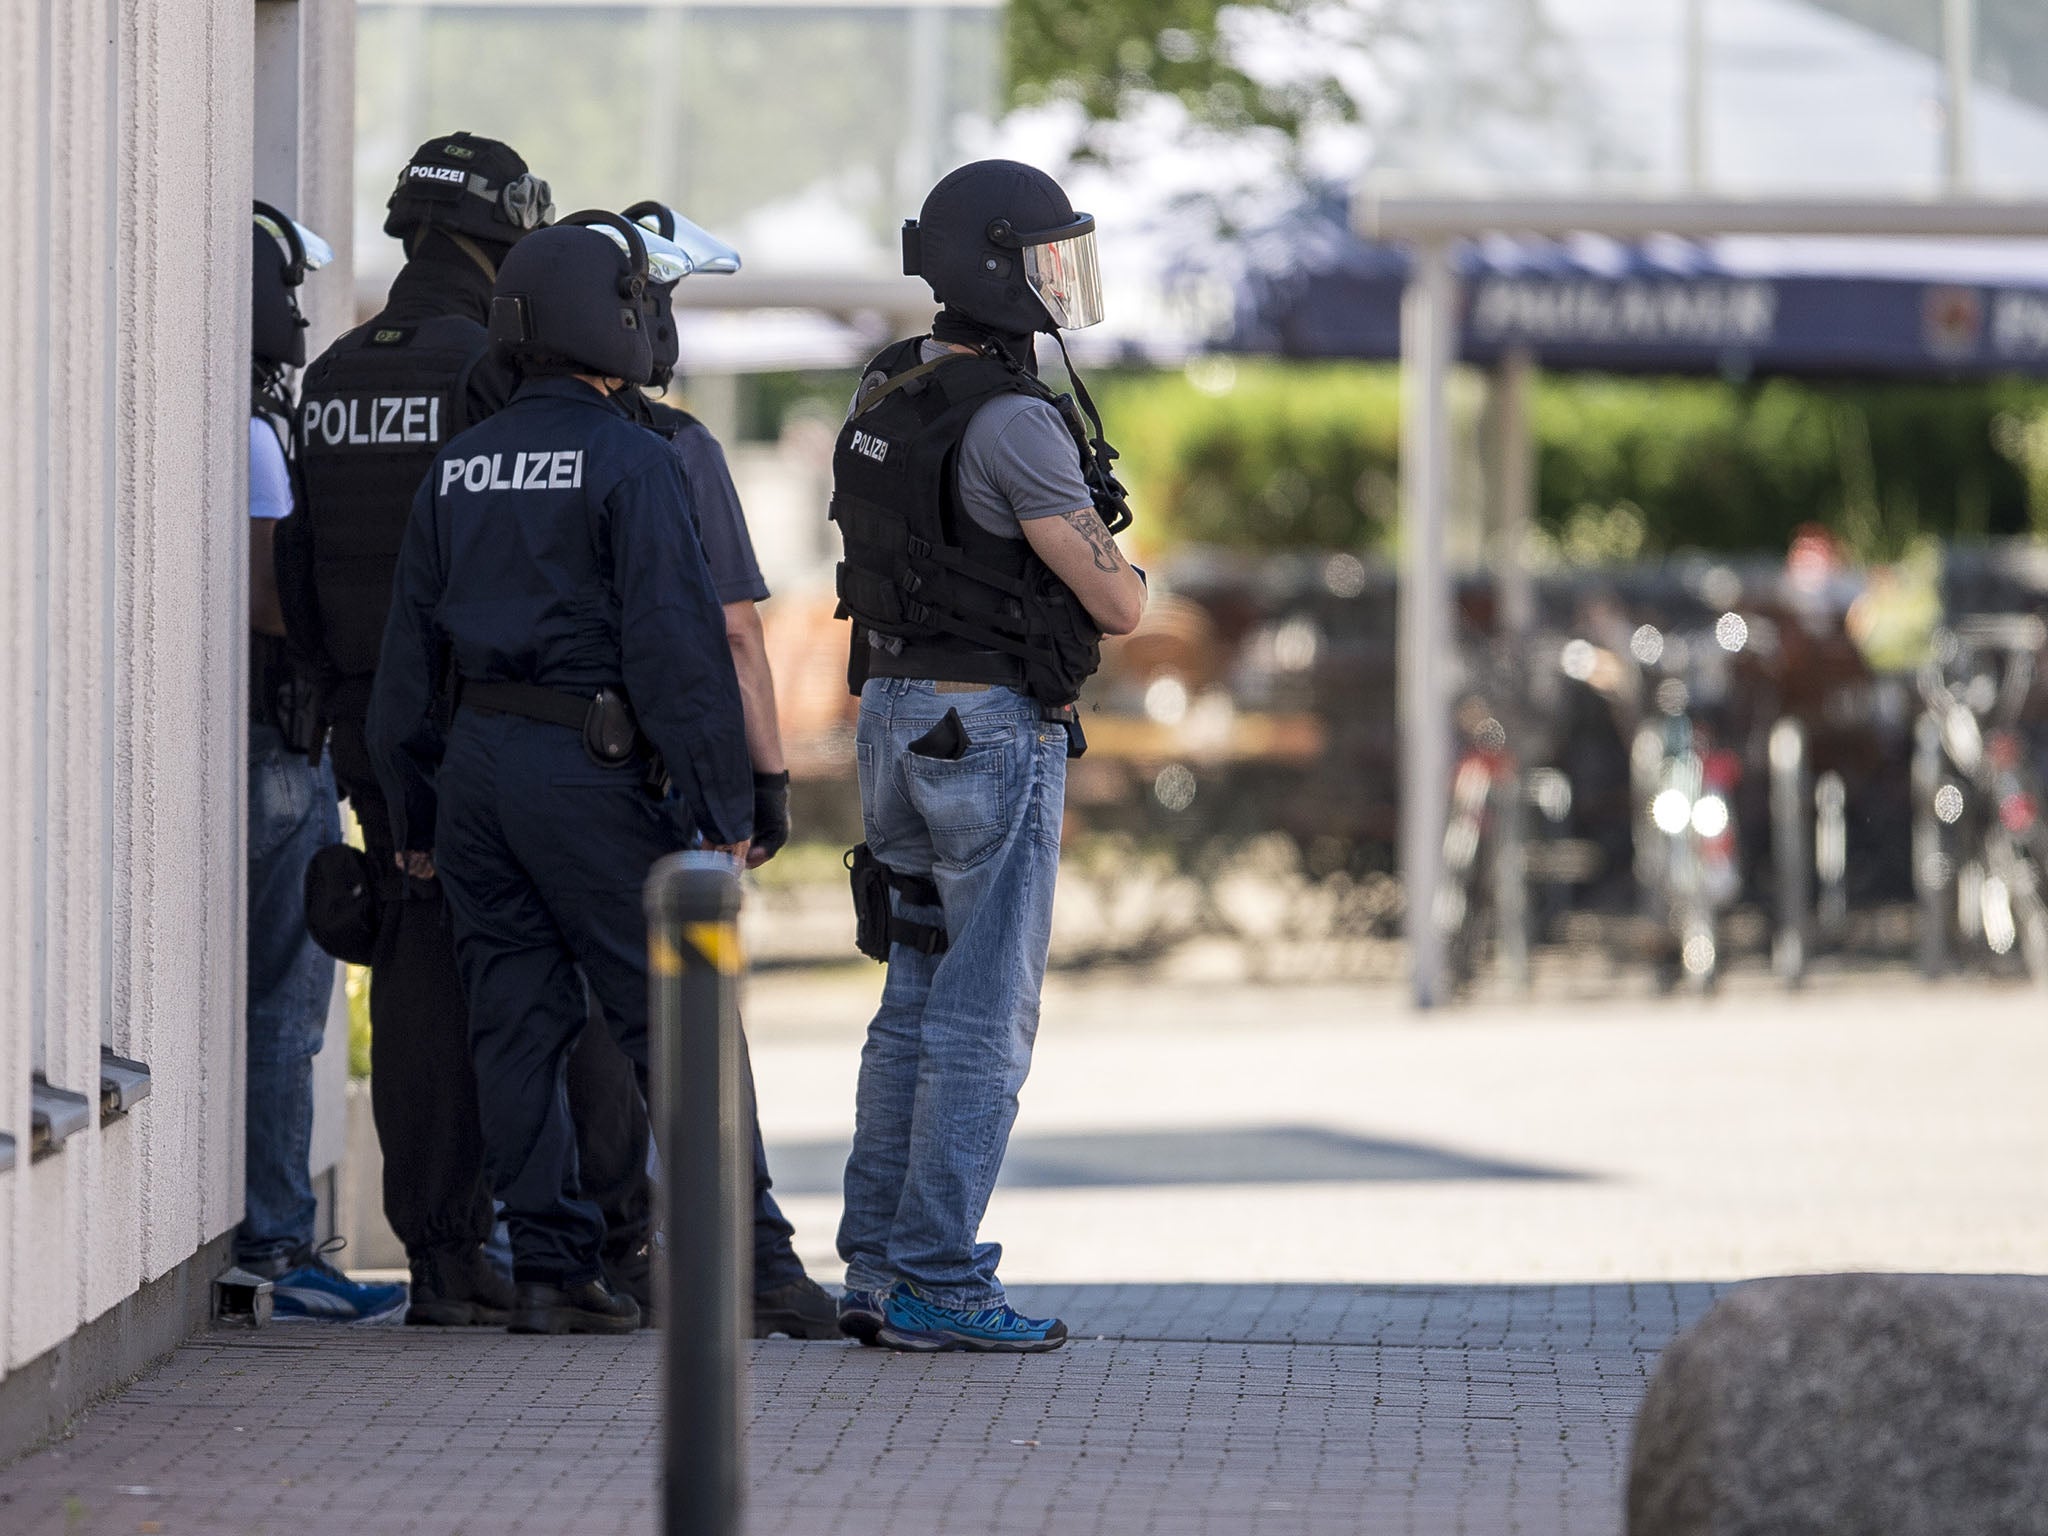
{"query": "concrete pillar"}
[(1423, 637), (1959, 60), (23, 437), (126, 138), (1513, 458)]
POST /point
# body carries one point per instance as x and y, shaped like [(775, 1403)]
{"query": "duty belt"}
[(529, 701), (604, 719)]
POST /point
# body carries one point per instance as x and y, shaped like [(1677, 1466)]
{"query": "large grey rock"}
[(1851, 1405)]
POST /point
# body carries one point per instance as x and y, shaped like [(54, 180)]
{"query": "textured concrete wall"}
[(125, 150)]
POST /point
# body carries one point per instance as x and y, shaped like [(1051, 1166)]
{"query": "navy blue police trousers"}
[(543, 854)]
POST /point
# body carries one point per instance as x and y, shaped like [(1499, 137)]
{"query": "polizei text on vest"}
[(561, 470), (372, 420)]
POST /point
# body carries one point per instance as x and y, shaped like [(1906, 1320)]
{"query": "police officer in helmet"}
[(979, 514), (612, 1133), (291, 816), (551, 560), (374, 411)]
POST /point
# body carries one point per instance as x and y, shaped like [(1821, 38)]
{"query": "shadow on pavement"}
[(1256, 1154)]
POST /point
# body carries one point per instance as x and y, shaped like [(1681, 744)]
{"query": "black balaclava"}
[(951, 324), (441, 277)]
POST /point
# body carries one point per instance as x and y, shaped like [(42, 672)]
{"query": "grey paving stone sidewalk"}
[(1178, 1410)]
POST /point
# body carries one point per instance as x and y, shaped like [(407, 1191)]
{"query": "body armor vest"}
[(373, 412), (943, 597)]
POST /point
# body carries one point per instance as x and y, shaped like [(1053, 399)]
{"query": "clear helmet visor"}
[(1067, 279), (670, 261), (318, 252), (704, 251)]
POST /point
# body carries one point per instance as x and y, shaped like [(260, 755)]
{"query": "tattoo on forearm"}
[(1085, 522)]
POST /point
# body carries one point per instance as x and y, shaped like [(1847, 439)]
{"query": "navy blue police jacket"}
[(553, 544)]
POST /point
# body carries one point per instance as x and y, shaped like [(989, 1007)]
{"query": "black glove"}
[(771, 814)]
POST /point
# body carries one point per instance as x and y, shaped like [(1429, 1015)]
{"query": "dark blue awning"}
[(1731, 307)]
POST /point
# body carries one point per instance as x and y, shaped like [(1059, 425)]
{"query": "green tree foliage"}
[(1101, 54), (1284, 456), (1109, 57), (1259, 456), (1244, 70)]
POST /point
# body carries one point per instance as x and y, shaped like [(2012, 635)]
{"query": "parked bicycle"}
[(1979, 843)]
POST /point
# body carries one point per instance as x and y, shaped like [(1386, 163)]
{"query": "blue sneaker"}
[(314, 1291), (860, 1315), (911, 1322)]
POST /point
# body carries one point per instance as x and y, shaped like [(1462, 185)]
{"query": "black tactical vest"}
[(941, 595), (373, 412)]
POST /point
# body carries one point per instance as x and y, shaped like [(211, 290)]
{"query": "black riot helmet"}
[(579, 297), (999, 242), (284, 253), (469, 186), (676, 248)]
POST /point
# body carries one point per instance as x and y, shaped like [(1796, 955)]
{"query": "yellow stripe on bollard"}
[(663, 959), (716, 945)]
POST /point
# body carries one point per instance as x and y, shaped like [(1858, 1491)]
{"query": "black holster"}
[(876, 927), (604, 720)]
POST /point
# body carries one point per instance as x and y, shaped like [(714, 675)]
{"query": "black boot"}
[(458, 1287), (631, 1273), (800, 1310), (586, 1307)]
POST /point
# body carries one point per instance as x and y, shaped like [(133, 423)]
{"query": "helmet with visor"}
[(999, 242)]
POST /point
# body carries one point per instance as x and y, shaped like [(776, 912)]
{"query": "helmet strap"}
[(271, 387), (473, 251), (1111, 500)]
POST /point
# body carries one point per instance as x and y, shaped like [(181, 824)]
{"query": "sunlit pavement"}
[(1331, 1266), (1231, 1132)]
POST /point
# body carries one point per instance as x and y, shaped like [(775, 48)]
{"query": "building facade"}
[(133, 134)]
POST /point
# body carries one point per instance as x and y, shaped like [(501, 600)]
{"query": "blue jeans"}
[(292, 814), (951, 1043)]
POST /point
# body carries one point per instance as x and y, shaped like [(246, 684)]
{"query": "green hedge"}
[(1269, 455)]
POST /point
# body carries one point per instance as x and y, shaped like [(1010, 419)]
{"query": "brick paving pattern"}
[(1176, 1411), (1394, 1276)]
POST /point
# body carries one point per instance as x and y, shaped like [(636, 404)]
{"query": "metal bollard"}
[(1791, 850), (693, 951), (1934, 872)]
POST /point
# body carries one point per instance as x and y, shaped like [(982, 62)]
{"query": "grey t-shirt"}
[(721, 525), (1017, 461)]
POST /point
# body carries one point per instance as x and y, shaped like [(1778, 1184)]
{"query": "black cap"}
[(475, 186)]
